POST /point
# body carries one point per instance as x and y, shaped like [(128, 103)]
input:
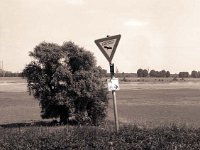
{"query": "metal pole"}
[(114, 99)]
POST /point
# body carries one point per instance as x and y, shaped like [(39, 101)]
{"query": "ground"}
[(139, 102)]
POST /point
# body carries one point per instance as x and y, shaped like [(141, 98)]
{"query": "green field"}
[(142, 103)]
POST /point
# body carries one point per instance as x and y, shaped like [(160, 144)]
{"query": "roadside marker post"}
[(108, 47)]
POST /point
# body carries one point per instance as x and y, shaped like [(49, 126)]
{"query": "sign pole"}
[(114, 99), (108, 47), (115, 111)]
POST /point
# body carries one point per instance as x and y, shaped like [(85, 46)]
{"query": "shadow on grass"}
[(51, 123), (31, 124)]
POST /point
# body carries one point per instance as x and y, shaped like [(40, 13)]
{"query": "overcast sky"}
[(156, 34)]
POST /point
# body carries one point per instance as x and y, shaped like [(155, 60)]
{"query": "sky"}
[(155, 34)]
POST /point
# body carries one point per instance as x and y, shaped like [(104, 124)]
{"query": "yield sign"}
[(108, 46)]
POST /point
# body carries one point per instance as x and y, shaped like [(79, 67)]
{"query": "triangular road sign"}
[(108, 46)]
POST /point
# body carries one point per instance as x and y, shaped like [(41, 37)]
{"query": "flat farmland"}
[(142, 103), (153, 104), (16, 106)]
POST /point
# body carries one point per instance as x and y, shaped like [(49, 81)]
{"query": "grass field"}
[(159, 106), (165, 116), (142, 103), (154, 104), (16, 106)]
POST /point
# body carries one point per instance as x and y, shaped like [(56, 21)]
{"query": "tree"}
[(140, 73), (194, 74), (198, 74), (152, 73), (163, 73), (167, 74), (67, 83), (145, 73), (183, 74)]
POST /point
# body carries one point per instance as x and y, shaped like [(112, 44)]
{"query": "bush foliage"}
[(67, 83), (129, 137)]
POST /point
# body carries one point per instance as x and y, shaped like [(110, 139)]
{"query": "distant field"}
[(155, 107), (15, 103), (154, 104), (142, 103)]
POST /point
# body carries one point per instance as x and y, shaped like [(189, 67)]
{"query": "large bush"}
[(67, 83), (88, 138)]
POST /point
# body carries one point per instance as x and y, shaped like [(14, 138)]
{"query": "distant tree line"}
[(152, 73), (195, 74), (142, 73), (9, 74), (183, 74), (161, 73)]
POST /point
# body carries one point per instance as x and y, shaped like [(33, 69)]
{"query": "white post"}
[(115, 111), (114, 99)]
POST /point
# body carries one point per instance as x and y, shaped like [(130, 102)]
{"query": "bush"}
[(129, 137), (67, 83)]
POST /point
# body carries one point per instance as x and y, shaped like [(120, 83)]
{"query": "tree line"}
[(194, 74), (140, 73), (164, 73), (9, 74), (152, 73)]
